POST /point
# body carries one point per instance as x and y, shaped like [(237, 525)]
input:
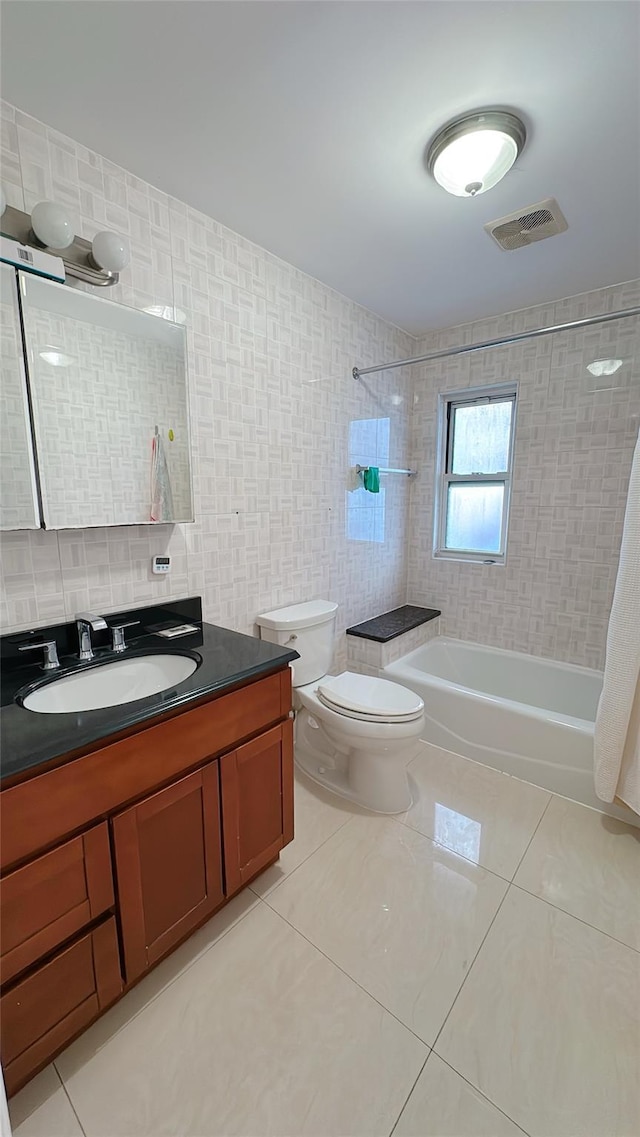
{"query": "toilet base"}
[(376, 782)]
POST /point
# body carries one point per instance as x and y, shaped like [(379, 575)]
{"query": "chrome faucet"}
[(87, 623)]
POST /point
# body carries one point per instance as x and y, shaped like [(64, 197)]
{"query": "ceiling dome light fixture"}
[(471, 154)]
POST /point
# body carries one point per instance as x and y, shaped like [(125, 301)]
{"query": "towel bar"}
[(409, 473)]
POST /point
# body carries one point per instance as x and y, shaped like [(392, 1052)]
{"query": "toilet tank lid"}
[(298, 615)]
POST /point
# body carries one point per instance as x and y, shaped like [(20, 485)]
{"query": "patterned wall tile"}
[(272, 401), (574, 443), (270, 352)]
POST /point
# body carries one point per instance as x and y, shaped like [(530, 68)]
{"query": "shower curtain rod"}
[(358, 372)]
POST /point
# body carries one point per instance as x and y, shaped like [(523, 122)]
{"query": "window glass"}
[(481, 435), (474, 516)]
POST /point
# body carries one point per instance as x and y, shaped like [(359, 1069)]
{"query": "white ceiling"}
[(303, 126)]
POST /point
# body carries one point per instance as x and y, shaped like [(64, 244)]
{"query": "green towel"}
[(371, 479)]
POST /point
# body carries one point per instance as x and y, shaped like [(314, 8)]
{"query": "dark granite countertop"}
[(29, 739), (391, 624)]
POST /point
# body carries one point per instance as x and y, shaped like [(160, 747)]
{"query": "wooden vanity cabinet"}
[(174, 820)]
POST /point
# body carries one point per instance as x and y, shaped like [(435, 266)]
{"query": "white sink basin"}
[(111, 684)]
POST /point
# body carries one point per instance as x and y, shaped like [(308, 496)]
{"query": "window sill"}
[(470, 558)]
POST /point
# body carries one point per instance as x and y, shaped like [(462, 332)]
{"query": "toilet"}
[(354, 734)]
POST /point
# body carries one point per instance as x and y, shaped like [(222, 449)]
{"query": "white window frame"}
[(470, 396)]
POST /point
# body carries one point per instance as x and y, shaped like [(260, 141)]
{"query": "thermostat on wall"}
[(161, 565)]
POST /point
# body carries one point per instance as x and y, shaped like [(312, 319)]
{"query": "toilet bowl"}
[(362, 757), (354, 734)]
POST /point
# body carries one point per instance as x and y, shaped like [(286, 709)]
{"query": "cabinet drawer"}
[(50, 899), (50, 1006)]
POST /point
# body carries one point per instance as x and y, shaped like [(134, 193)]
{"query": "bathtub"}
[(530, 717)]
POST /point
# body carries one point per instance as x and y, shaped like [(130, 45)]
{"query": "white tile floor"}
[(470, 969)]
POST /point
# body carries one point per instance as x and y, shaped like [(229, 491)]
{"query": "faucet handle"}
[(117, 634), (51, 661)]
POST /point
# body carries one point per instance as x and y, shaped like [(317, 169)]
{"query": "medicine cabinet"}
[(18, 493), (107, 388)]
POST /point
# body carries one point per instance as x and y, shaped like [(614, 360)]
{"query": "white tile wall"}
[(369, 657), (272, 397), (573, 452)]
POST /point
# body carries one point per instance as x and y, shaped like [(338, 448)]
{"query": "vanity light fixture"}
[(601, 367), (472, 153), (50, 228)]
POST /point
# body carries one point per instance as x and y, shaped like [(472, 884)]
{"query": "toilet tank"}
[(307, 628)]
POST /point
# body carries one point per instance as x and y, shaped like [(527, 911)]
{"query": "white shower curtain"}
[(617, 733)]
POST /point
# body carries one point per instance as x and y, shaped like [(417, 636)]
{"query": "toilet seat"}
[(369, 699)]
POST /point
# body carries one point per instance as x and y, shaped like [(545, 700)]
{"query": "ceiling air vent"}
[(533, 223)]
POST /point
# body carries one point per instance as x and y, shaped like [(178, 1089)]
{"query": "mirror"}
[(18, 494), (109, 395)]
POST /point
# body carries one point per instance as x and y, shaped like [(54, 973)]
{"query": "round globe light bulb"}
[(52, 225), (3, 199), (110, 251)]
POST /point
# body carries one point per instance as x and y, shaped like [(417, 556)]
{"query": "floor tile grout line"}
[(398, 820), (510, 885), (68, 1097), (471, 966), (347, 976), (448, 849), (395, 1124), (455, 853), (540, 820), (572, 916), (288, 875), (483, 1095), (167, 985), (401, 821)]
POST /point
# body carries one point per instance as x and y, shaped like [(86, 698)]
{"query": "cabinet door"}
[(257, 803), (169, 866)]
